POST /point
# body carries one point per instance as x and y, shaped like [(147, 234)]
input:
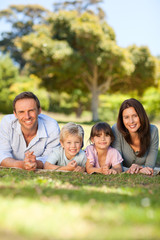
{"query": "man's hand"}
[(30, 161)]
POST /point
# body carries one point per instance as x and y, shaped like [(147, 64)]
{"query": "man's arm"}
[(6, 157), (27, 163), (10, 162)]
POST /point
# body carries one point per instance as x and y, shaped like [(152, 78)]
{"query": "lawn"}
[(59, 205), (65, 205)]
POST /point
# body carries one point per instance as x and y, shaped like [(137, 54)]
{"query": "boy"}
[(69, 155)]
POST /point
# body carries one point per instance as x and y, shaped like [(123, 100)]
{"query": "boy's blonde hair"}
[(73, 129)]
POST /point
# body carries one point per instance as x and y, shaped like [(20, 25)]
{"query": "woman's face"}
[(131, 120)]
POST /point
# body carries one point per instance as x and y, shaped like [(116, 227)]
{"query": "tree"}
[(76, 51), (91, 6), (8, 72), (22, 18), (144, 74)]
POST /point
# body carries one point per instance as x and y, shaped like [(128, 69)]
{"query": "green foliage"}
[(151, 101), (22, 19), (32, 84), (8, 73), (76, 51), (11, 84), (109, 105)]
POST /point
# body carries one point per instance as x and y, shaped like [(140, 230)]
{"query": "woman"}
[(135, 138)]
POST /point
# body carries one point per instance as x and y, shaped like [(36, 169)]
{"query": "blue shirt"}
[(58, 157), (13, 144)]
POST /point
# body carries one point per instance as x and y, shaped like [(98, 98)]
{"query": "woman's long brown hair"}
[(143, 131)]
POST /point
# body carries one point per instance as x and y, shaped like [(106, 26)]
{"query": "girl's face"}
[(72, 145), (101, 141), (131, 120)]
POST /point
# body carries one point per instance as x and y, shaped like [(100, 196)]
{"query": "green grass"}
[(58, 205), (64, 206)]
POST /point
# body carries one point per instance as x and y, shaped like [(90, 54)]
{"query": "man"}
[(27, 136)]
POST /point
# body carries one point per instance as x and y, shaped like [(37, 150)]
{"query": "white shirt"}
[(13, 144)]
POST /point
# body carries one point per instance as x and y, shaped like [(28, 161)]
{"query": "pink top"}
[(113, 156)]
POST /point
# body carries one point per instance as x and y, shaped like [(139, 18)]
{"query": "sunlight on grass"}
[(67, 220), (105, 189)]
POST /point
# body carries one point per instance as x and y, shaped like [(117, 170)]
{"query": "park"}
[(70, 59)]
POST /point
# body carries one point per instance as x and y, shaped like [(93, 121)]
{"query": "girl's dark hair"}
[(143, 131), (101, 127), (24, 95)]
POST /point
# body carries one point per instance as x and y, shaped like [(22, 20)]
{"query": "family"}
[(31, 140)]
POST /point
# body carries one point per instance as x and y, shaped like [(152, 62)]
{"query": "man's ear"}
[(39, 110), (61, 144), (15, 114)]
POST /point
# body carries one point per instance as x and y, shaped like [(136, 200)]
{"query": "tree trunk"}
[(95, 95), (94, 105)]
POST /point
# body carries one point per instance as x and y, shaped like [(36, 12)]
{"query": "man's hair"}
[(24, 95), (72, 129)]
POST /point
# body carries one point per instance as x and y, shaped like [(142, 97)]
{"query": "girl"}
[(135, 138), (69, 155), (101, 157)]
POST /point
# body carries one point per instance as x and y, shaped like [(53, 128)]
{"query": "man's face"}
[(26, 112)]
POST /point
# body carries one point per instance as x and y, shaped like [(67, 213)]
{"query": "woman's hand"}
[(135, 168), (146, 170)]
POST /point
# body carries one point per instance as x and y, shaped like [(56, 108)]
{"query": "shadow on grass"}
[(81, 196), (80, 188)]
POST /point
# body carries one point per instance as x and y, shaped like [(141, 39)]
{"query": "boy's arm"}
[(48, 165), (70, 167)]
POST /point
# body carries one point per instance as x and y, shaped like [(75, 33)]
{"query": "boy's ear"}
[(61, 143)]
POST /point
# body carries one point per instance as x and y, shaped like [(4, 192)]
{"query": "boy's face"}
[(72, 145)]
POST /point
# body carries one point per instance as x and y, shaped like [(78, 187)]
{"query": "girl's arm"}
[(90, 169), (115, 169)]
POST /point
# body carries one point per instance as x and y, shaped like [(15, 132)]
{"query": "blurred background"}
[(81, 58)]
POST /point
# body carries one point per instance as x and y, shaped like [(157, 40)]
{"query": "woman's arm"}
[(153, 150)]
